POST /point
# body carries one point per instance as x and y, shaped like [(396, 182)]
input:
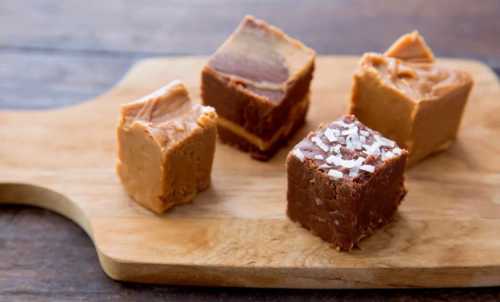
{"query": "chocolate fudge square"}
[(258, 82), (166, 146), (344, 182), (409, 97)]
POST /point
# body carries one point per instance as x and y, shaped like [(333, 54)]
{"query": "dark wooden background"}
[(58, 53)]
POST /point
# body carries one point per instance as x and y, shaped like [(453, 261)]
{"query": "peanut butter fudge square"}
[(344, 182), (409, 98), (166, 147), (258, 81)]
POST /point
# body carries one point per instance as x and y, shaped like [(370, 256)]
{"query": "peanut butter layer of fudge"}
[(166, 147), (258, 81), (410, 98), (344, 182)]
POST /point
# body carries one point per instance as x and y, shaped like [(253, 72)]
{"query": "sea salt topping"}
[(334, 160), (351, 130), (330, 135), (319, 157), (320, 143), (384, 141), (335, 174), (344, 147), (353, 163), (387, 155), (373, 149), (335, 149), (337, 160), (318, 201), (324, 167), (353, 142), (354, 172), (297, 153), (367, 168)]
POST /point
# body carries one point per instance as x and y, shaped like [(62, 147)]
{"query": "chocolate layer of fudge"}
[(166, 147), (344, 182), (409, 98), (258, 81)]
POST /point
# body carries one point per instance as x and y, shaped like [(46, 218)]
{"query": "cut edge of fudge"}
[(254, 145), (333, 193), (259, 148), (156, 135), (411, 47)]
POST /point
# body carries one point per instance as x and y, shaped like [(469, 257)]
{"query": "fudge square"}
[(166, 147), (258, 81), (409, 98), (344, 181)]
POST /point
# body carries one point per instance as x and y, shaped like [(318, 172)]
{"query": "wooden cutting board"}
[(447, 232)]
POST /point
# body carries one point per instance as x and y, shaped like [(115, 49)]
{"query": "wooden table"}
[(55, 53)]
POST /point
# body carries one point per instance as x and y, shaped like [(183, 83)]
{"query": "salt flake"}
[(387, 155), (384, 141), (335, 160), (354, 172), (298, 153), (367, 168), (324, 167), (335, 149), (373, 149), (353, 142), (364, 133), (330, 135), (320, 143), (350, 131), (335, 174)]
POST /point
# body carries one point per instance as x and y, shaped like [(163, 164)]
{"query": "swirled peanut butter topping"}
[(168, 114), (417, 80), (262, 58)]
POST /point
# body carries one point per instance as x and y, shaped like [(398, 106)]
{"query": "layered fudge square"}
[(344, 182), (258, 81), (409, 98), (166, 147)]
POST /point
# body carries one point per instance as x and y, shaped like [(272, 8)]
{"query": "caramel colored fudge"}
[(258, 81), (409, 98), (166, 147), (344, 182)]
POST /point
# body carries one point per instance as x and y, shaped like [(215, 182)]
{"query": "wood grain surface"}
[(237, 233), (57, 53)]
